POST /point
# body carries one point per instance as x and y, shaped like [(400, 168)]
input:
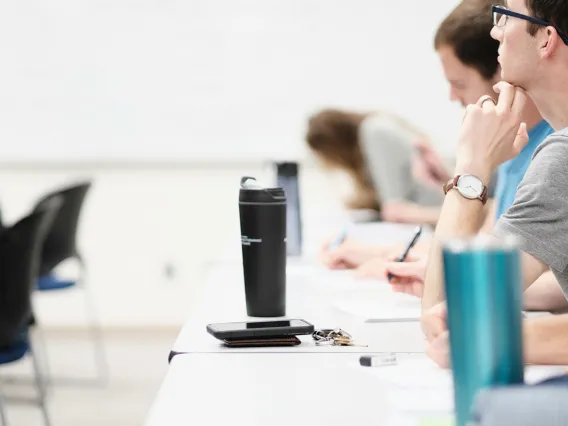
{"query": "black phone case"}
[(264, 332)]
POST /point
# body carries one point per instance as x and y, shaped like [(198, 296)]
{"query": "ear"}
[(549, 42)]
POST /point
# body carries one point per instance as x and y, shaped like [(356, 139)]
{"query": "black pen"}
[(412, 243)]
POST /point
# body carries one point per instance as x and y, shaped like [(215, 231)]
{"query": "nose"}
[(453, 95), (497, 33)]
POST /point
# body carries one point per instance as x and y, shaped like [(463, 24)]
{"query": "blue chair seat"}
[(15, 351), (51, 282)]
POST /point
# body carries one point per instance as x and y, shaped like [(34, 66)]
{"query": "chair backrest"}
[(20, 254), (60, 242)]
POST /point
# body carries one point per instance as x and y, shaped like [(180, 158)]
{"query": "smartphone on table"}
[(261, 329)]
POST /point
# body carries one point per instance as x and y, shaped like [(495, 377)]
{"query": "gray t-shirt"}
[(387, 148), (539, 215)]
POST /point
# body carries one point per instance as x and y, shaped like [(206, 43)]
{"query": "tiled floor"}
[(137, 361)]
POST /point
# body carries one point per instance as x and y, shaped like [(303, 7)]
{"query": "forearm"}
[(459, 217), (431, 215), (407, 212), (489, 220), (546, 340), (545, 295)]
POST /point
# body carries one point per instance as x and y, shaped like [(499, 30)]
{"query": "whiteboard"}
[(208, 79)]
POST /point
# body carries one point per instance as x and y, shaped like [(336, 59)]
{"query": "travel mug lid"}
[(249, 182), (253, 192)]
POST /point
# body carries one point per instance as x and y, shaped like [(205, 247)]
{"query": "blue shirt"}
[(511, 173)]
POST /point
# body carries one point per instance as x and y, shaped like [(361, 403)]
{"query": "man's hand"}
[(434, 321), (427, 165), (379, 267), (372, 269), (492, 134), (350, 254), (434, 325), (408, 275), (439, 350)]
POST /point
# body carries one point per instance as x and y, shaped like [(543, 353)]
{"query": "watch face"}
[(470, 186)]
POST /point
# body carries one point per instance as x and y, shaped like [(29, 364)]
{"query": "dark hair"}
[(467, 30), (553, 11)]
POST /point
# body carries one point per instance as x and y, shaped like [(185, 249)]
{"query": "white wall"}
[(147, 79), (139, 220)]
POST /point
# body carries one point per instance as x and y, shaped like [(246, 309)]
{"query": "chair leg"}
[(43, 355), (95, 329), (99, 350), (3, 419), (40, 386)]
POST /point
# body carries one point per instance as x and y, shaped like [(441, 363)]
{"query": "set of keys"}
[(334, 337)]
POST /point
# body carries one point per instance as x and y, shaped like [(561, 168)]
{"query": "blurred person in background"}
[(376, 150)]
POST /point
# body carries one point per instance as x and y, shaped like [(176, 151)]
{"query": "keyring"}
[(333, 337), (325, 342)]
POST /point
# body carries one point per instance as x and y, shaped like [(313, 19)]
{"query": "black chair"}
[(20, 253), (60, 242), (60, 245)]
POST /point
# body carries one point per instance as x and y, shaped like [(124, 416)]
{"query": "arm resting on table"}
[(546, 340), (545, 295)]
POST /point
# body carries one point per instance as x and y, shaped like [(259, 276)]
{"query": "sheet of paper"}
[(417, 386), (381, 306), (538, 373)]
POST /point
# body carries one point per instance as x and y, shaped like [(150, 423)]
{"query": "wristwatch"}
[(468, 186)]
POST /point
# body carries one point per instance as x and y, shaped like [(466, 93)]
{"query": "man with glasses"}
[(533, 55)]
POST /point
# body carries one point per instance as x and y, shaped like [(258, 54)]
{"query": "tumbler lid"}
[(481, 243), (254, 192), (248, 182)]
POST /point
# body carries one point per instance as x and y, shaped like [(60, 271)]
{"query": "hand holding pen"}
[(409, 247)]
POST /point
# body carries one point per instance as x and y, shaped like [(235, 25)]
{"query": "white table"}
[(277, 390), (311, 293), (258, 389)]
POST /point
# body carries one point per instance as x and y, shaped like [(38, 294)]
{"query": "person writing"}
[(375, 150)]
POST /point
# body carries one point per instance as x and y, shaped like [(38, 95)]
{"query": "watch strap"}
[(452, 183)]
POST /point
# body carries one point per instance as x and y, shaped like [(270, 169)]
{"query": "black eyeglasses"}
[(501, 14)]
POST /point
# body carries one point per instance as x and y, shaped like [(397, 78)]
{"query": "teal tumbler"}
[(484, 296)]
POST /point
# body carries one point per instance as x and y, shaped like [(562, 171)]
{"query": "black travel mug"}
[(263, 240)]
